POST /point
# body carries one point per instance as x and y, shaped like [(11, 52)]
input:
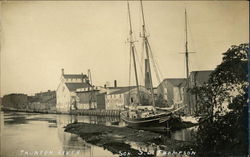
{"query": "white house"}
[(66, 97)]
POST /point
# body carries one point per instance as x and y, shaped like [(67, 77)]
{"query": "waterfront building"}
[(15, 101), (45, 96), (90, 98), (172, 90), (197, 79), (117, 98), (66, 97), (42, 101)]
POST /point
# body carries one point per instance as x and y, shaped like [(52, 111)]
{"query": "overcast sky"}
[(40, 38)]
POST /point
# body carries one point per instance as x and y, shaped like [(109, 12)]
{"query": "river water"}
[(32, 134)]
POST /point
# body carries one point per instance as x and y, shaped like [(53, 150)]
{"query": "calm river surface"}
[(32, 134)]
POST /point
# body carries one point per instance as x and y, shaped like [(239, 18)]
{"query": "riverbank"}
[(118, 140), (93, 112)]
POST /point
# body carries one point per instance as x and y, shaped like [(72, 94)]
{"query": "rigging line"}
[(130, 64), (130, 46), (164, 82), (130, 67), (142, 58), (155, 69), (140, 65), (146, 49), (154, 63)]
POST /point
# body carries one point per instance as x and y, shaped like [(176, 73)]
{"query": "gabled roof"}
[(74, 86), (74, 76)]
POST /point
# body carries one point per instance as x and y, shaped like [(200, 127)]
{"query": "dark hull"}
[(159, 120)]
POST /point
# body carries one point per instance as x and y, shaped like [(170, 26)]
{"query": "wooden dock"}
[(96, 112), (93, 112)]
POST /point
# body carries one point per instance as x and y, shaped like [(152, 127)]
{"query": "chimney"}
[(62, 71), (82, 79), (115, 83)]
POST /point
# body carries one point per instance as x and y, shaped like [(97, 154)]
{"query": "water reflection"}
[(109, 121), (29, 134), (24, 134), (184, 134)]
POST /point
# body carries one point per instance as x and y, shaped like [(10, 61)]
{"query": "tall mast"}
[(145, 40), (186, 46), (187, 62), (132, 50)]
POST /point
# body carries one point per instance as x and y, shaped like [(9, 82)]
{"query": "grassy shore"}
[(116, 139)]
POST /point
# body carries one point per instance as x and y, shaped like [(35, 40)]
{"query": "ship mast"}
[(186, 46), (132, 50), (187, 62), (145, 40)]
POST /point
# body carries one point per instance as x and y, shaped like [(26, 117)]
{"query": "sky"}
[(39, 38)]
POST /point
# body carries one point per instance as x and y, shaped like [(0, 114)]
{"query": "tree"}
[(224, 101)]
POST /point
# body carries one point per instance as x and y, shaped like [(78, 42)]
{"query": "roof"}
[(175, 81), (119, 87), (74, 86), (74, 76), (123, 90)]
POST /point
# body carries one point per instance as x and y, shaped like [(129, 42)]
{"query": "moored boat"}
[(137, 115), (145, 118)]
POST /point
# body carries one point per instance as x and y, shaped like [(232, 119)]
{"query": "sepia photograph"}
[(124, 78)]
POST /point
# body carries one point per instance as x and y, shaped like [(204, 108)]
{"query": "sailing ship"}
[(139, 115)]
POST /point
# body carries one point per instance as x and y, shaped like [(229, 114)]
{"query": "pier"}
[(93, 112), (96, 112)]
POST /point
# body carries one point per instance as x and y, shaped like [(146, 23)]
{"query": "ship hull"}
[(159, 120)]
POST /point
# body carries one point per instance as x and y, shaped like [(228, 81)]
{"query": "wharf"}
[(92, 112), (96, 112)]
